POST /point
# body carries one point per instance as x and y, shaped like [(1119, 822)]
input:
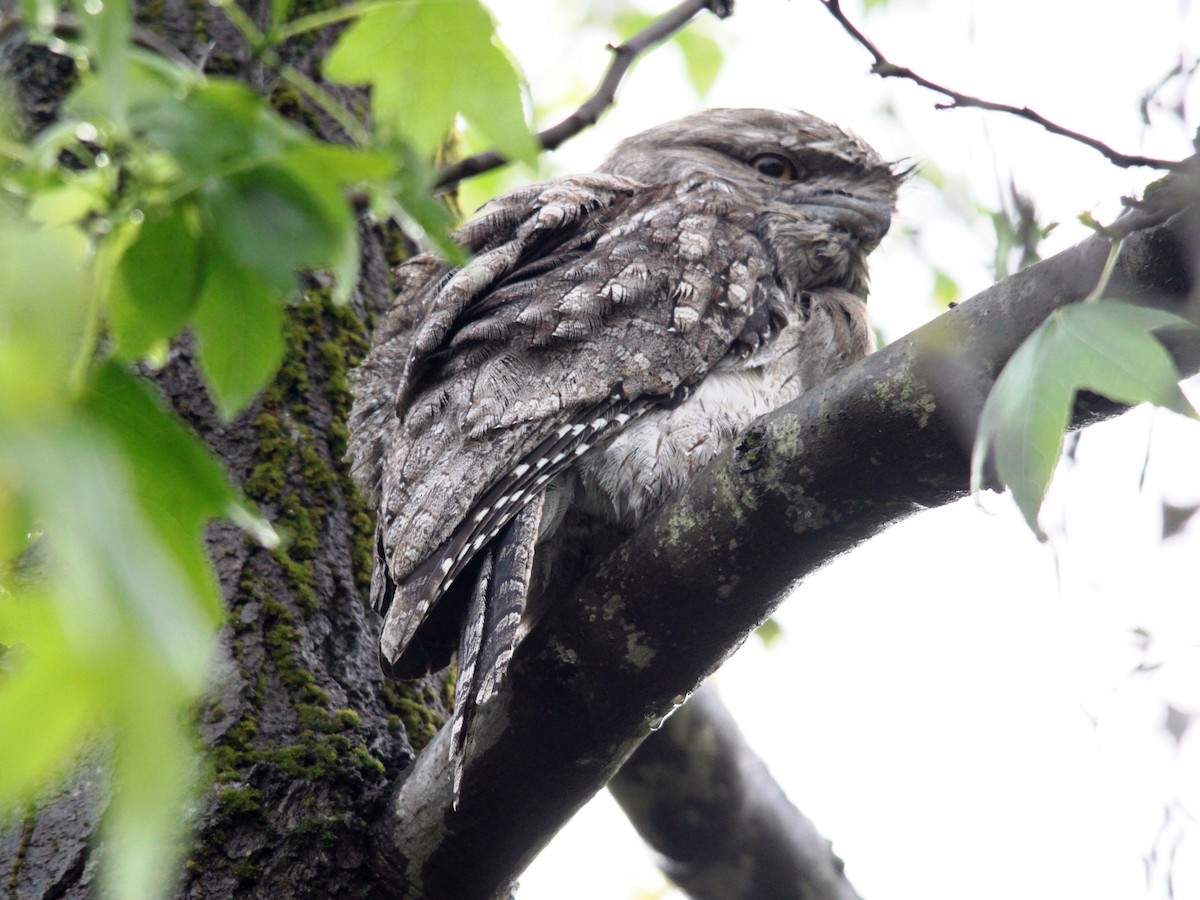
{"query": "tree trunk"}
[(305, 735)]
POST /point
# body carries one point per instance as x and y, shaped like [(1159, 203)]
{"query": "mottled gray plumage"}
[(610, 335)]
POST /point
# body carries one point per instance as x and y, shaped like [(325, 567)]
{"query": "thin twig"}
[(1179, 70), (589, 113), (886, 69)]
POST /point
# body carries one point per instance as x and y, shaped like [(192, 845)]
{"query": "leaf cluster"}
[(165, 201)]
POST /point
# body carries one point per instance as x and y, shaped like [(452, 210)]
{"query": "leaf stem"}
[(263, 47), (325, 18), (1106, 273), (88, 340), (14, 151), (250, 32), (318, 95)]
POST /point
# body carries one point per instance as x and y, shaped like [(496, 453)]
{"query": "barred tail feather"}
[(491, 625)]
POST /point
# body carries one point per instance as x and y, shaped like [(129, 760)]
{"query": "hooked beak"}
[(867, 220)]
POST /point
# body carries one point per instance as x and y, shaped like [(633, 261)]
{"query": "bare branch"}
[(589, 113), (887, 69), (723, 828)]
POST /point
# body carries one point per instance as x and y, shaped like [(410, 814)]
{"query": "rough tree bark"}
[(314, 793), (305, 735)]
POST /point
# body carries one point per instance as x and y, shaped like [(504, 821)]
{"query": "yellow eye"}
[(774, 166)]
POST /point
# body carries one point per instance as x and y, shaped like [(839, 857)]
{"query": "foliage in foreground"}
[(137, 215)]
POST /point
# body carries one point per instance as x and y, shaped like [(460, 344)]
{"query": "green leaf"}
[(178, 483), (43, 306), (157, 281), (945, 289), (702, 58), (769, 632), (122, 645), (154, 770), (412, 200), (18, 529), (428, 60), (106, 31), (47, 698), (217, 128), (40, 13), (271, 223), (72, 201), (1121, 359), (344, 166), (1106, 348), (320, 175), (151, 81), (238, 327), (116, 574)]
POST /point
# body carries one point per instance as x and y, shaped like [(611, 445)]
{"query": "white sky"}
[(958, 723)]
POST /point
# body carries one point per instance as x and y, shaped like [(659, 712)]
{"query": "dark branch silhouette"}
[(697, 793), (590, 111), (884, 68)]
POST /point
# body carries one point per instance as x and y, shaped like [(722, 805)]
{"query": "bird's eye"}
[(774, 166)]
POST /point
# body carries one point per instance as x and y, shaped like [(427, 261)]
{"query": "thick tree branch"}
[(886, 69), (697, 793), (882, 440), (623, 58)]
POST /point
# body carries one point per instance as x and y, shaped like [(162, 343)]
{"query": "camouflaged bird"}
[(610, 335)]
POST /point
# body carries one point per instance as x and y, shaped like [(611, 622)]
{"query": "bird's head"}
[(826, 196)]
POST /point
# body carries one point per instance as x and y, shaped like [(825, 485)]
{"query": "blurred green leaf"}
[(344, 166), (428, 60), (17, 525), (77, 197), (216, 128), (119, 646), (42, 13), (769, 632), (43, 308), (929, 171), (154, 770), (48, 697), (106, 29), (702, 58), (270, 224), (151, 81), (118, 576), (238, 327), (178, 483), (1103, 347), (156, 284), (320, 176), (945, 289), (411, 199)]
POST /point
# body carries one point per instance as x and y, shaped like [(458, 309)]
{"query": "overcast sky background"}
[(955, 705)]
